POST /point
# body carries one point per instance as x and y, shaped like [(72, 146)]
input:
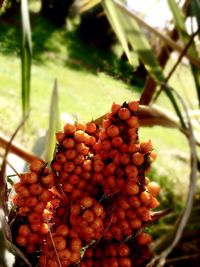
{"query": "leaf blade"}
[(26, 52), (113, 18), (54, 124)]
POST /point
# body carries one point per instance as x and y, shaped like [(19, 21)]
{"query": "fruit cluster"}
[(91, 208)]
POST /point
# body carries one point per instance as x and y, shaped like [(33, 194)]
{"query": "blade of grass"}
[(26, 51), (54, 124), (114, 20)]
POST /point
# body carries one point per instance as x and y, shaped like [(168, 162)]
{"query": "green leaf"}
[(179, 20), (113, 17), (26, 51), (141, 46), (54, 124), (195, 9)]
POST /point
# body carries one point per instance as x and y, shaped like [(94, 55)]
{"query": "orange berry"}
[(132, 188), (35, 227), (106, 123), (138, 158), (154, 203), (52, 263), (132, 122), (88, 216), (79, 136), (70, 154), (76, 244), (36, 166), (24, 230), (91, 127), (46, 195), (30, 249), (144, 239), (60, 242), (76, 194), (145, 197), (35, 189), (48, 179), (153, 155), (117, 141), (23, 211), (56, 166), (124, 203), (67, 187), (123, 250), (34, 238), (75, 256), (34, 218), (125, 159), (68, 143), (80, 125), (98, 165), (69, 166), (135, 224), (21, 240), (82, 149), (106, 145), (131, 171), (146, 146), (79, 159), (125, 262), (133, 148), (31, 178), (124, 113), (23, 191), (62, 230), (115, 107), (64, 254), (60, 158), (69, 128), (44, 229), (98, 210), (87, 202), (153, 188), (133, 105), (73, 179), (134, 201), (97, 223), (18, 201), (60, 136), (112, 131), (30, 201)]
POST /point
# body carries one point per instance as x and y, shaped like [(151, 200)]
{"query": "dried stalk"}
[(17, 150)]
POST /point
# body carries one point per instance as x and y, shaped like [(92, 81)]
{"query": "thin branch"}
[(162, 36)]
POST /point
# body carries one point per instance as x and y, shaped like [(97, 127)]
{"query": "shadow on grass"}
[(54, 44)]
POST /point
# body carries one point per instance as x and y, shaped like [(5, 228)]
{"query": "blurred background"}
[(100, 52)]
